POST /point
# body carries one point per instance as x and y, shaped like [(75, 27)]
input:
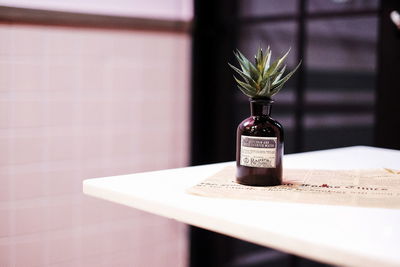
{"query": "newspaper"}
[(377, 188)]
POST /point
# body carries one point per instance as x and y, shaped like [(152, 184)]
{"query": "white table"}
[(332, 234)]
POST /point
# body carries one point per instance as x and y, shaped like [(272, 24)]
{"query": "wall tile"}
[(77, 104)]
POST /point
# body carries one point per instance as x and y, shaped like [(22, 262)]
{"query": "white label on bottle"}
[(259, 152)]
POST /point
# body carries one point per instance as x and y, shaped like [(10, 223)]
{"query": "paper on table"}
[(378, 188)]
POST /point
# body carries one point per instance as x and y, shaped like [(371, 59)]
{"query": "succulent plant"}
[(261, 80)]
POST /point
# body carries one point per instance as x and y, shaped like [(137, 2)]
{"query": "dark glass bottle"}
[(259, 147)]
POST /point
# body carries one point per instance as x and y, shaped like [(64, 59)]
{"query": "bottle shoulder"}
[(262, 121), (262, 126)]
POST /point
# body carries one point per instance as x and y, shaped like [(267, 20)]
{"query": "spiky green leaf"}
[(247, 66), (279, 84), (260, 59), (245, 86), (244, 76), (279, 75), (268, 60), (245, 91), (267, 87), (276, 64), (244, 63)]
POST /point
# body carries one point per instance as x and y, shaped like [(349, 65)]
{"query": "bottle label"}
[(259, 152)]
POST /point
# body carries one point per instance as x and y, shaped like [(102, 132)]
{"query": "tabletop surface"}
[(339, 235)]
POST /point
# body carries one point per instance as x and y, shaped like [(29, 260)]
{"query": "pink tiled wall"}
[(81, 103)]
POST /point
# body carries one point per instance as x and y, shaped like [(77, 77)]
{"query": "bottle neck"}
[(260, 107)]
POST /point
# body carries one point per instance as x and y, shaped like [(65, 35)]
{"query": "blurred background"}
[(100, 88)]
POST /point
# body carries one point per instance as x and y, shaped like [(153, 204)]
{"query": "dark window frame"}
[(209, 145)]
